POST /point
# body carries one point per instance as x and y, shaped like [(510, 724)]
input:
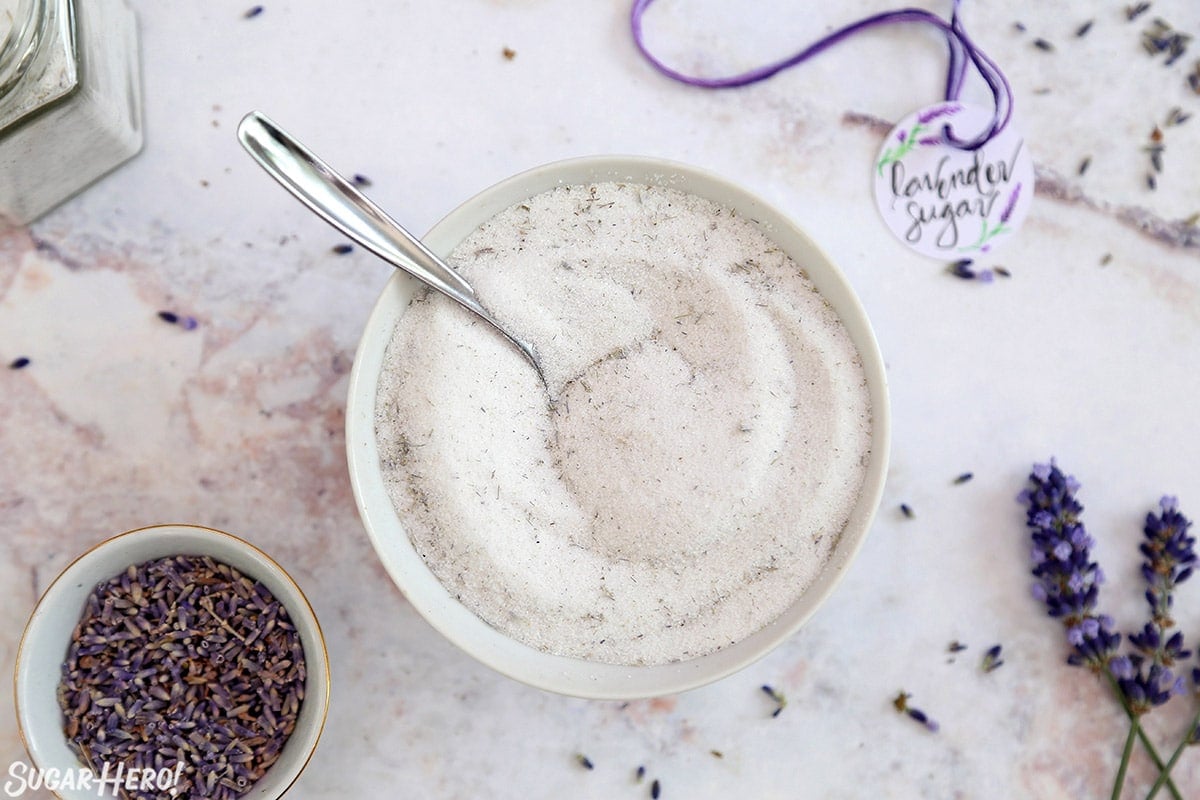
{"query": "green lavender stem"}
[(1141, 734), (1164, 775), (1119, 783)]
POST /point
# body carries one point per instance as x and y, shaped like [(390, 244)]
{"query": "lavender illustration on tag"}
[(908, 139), (987, 233)]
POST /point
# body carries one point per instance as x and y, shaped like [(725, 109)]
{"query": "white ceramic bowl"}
[(558, 673), (48, 633)]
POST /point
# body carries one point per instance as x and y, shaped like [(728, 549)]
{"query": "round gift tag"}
[(946, 202)]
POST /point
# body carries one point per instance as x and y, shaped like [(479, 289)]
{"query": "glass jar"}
[(70, 99)]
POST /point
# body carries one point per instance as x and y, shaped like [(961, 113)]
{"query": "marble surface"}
[(1089, 352)]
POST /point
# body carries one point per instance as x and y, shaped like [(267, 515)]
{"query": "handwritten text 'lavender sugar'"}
[(940, 202)]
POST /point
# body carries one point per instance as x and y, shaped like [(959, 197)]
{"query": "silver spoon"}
[(335, 200)]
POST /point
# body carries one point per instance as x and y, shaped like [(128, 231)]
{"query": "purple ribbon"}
[(962, 52)]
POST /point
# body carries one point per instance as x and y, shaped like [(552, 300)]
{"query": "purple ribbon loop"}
[(962, 52)]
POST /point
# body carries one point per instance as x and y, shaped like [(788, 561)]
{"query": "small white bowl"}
[(48, 634), (558, 673)]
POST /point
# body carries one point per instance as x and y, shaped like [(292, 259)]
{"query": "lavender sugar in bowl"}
[(181, 659), (694, 477)]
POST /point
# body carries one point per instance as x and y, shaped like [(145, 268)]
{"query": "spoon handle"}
[(335, 200)]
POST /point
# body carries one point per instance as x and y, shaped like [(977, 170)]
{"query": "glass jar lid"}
[(38, 61)]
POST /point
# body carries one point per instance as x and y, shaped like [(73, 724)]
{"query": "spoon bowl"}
[(335, 199)]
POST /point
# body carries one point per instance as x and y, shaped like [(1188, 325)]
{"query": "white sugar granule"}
[(705, 448)]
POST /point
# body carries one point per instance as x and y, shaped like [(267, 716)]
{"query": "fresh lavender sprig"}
[(1068, 580), (1170, 558), (1068, 584)]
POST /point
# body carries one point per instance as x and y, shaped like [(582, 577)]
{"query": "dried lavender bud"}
[(361, 180), (963, 478), (1042, 44), (1134, 11), (1083, 29), (343, 249), (584, 761), (962, 269), (916, 714), (1003, 272), (1083, 165), (253, 12), (21, 362), (1176, 116), (991, 659), (956, 647), (1019, 27), (921, 717), (640, 773), (655, 789), (183, 660), (170, 317), (778, 697), (906, 510), (716, 754)]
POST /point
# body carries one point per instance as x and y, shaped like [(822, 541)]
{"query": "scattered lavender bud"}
[(716, 754), (921, 717), (1003, 272), (186, 322), (1083, 165), (956, 647), (916, 714), (1134, 11), (253, 12), (343, 249), (655, 789), (1151, 181), (991, 659), (1019, 27), (20, 362), (1176, 116), (963, 478), (778, 697), (1042, 44), (1083, 29), (584, 761), (906, 510), (962, 269), (640, 773), (361, 180), (1106, 259)]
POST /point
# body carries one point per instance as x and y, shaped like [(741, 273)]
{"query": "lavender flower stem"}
[(1164, 774), (1119, 783), (1141, 734)]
